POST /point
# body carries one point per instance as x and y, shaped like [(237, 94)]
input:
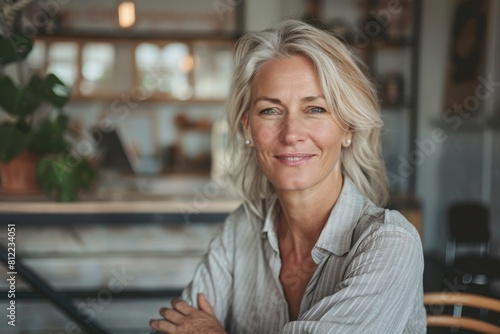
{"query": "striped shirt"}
[(368, 277)]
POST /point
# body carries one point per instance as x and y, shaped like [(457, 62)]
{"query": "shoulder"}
[(389, 239), (243, 219), (237, 215), (231, 231), (395, 221), (383, 225)]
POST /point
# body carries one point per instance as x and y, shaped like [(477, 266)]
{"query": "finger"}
[(162, 326), (205, 305), (162, 310), (171, 315), (182, 307)]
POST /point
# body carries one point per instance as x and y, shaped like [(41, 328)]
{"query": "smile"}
[(294, 159)]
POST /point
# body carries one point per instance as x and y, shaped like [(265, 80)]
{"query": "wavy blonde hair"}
[(347, 90)]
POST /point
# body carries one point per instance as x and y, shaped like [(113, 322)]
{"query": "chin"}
[(292, 183)]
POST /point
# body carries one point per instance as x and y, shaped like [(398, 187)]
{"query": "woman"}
[(310, 250)]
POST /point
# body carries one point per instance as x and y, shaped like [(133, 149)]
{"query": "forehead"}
[(294, 72), (287, 63)]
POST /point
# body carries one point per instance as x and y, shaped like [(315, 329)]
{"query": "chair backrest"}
[(467, 225), (468, 222), (461, 299)]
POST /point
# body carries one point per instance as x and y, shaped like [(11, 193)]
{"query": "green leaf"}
[(55, 91), (87, 174), (15, 48), (13, 141), (31, 96), (62, 176), (50, 137), (48, 177), (62, 120), (19, 101), (10, 96), (57, 178)]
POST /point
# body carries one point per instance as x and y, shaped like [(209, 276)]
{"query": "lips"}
[(294, 159)]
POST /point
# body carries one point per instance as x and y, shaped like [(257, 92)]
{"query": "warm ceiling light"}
[(186, 64), (126, 14)]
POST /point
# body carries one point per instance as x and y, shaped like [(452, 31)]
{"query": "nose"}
[(292, 130)]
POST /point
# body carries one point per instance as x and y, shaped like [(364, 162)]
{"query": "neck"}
[(303, 215)]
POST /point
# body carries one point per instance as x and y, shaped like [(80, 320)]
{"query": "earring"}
[(348, 142), (247, 142)]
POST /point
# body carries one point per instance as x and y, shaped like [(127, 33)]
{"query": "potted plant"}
[(34, 148)]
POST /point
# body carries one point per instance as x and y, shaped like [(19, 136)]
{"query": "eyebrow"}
[(278, 101)]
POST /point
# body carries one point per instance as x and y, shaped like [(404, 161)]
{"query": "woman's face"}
[(296, 139)]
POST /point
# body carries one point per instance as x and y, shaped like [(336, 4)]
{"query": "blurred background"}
[(111, 143)]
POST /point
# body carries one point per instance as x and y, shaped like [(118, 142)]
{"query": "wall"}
[(465, 165), (262, 14), (435, 21)]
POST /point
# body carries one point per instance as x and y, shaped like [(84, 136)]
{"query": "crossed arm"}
[(183, 318)]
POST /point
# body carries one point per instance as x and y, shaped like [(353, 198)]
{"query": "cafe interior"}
[(113, 137)]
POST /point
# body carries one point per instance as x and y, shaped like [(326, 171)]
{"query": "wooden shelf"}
[(110, 206), (472, 124), (133, 194), (152, 99)]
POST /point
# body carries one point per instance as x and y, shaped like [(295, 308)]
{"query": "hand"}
[(185, 319)]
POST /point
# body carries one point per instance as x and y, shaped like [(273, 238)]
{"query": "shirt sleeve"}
[(378, 292), (213, 275)]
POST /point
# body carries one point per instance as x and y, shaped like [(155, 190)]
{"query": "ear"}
[(347, 140), (246, 127)]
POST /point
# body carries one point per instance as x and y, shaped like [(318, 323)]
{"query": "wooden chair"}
[(461, 299), (468, 224)]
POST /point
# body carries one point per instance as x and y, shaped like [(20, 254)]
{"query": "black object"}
[(467, 225), (111, 150), (474, 270)]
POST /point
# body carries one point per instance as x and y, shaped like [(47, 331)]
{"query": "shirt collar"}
[(337, 234), (268, 229)]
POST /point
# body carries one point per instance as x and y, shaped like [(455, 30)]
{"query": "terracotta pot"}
[(19, 176)]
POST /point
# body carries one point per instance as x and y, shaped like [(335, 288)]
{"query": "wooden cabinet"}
[(197, 71), (141, 87)]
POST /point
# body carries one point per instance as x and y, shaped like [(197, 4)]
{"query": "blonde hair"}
[(347, 90)]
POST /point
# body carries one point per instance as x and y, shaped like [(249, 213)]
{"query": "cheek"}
[(263, 136), (331, 138), (328, 139)]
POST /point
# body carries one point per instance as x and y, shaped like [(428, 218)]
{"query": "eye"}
[(317, 110), (269, 111)]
